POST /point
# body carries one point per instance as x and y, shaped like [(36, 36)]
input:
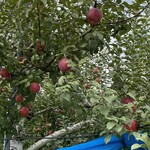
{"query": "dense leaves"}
[(36, 34)]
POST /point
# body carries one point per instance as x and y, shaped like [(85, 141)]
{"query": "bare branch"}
[(42, 111)]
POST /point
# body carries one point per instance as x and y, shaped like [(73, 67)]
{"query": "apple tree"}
[(77, 65)]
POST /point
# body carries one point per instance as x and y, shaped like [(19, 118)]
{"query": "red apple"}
[(94, 16), (58, 110), (29, 105), (4, 73), (24, 112), (127, 100), (86, 85), (34, 87), (19, 98), (132, 126), (20, 58), (58, 123), (38, 129), (98, 80), (95, 70), (134, 108), (64, 65), (40, 47), (50, 132)]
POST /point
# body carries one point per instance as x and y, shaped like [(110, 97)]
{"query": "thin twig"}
[(117, 22), (42, 111), (127, 19), (14, 94)]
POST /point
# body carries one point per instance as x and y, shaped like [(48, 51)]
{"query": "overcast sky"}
[(129, 1)]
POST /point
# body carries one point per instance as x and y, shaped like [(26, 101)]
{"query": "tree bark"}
[(16, 145), (58, 134)]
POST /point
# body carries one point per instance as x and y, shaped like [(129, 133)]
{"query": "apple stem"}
[(95, 4)]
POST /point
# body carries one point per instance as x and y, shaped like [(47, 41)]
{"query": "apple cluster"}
[(34, 88), (93, 17), (132, 126)]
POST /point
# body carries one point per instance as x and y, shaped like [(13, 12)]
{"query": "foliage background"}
[(119, 46)]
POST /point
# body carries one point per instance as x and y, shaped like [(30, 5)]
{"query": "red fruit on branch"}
[(127, 100), (34, 87), (19, 98), (134, 108), (98, 80), (38, 129), (29, 105), (95, 70), (94, 16), (50, 132), (63, 65), (4, 73), (24, 112), (20, 58), (58, 123), (86, 85), (132, 126), (40, 47)]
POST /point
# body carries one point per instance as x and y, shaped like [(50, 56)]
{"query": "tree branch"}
[(42, 111), (127, 19), (116, 22), (58, 134), (48, 64), (15, 92)]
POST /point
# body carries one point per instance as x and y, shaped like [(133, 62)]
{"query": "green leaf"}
[(104, 111), (67, 96), (94, 99), (110, 99), (62, 80), (110, 125), (19, 3), (118, 128), (44, 2), (135, 146), (83, 45), (107, 138), (132, 95), (1, 44)]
